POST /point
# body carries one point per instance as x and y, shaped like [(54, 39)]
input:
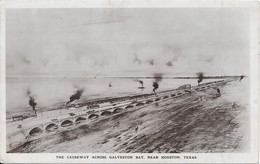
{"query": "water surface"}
[(52, 92)]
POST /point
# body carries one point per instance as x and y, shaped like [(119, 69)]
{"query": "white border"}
[(126, 3), (251, 157)]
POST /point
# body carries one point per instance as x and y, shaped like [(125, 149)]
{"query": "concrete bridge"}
[(19, 132)]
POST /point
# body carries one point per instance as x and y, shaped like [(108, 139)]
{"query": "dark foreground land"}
[(195, 123)]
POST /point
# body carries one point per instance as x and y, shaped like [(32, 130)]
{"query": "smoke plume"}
[(158, 78), (141, 82), (32, 101), (200, 77), (155, 86), (241, 77), (218, 91), (76, 95)]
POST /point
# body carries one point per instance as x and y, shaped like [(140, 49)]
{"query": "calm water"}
[(52, 91)]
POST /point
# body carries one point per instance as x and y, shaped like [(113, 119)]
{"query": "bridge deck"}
[(57, 116)]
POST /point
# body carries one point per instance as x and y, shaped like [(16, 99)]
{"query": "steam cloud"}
[(158, 78), (200, 77), (32, 101), (76, 95)]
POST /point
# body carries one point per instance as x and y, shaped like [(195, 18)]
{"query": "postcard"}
[(129, 81)]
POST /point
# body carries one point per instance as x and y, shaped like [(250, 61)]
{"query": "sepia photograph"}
[(128, 80)]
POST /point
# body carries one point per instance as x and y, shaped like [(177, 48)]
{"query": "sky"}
[(127, 42)]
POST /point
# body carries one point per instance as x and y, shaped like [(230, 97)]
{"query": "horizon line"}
[(145, 76)]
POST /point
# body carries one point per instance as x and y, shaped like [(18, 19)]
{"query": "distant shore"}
[(132, 77)]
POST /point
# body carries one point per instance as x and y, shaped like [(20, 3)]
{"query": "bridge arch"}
[(187, 91), (149, 101), (129, 106), (106, 113), (117, 110), (51, 127), (93, 116), (165, 97), (80, 119), (66, 123), (35, 131), (139, 104)]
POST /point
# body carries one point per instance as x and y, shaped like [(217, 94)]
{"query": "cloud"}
[(127, 41), (169, 63), (104, 21), (137, 60), (151, 62), (26, 60)]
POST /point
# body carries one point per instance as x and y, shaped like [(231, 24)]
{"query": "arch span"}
[(106, 113), (117, 110), (66, 123), (36, 131), (80, 119), (139, 104), (51, 127), (93, 116), (149, 101), (165, 97), (129, 106), (187, 91)]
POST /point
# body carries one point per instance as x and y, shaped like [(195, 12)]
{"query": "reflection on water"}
[(50, 92)]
